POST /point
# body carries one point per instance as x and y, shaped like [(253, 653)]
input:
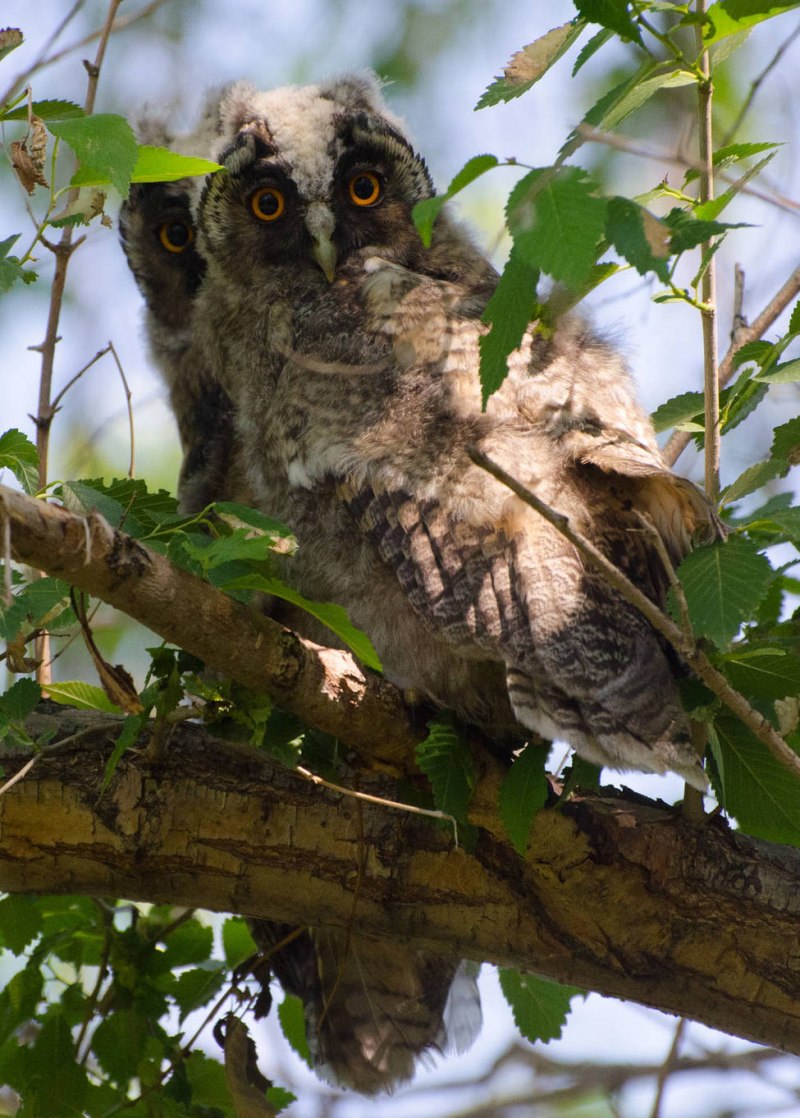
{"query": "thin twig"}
[(128, 398), (367, 798), (708, 282), (679, 440), (63, 252), (93, 1000), (60, 396), (22, 79), (668, 1067), (23, 772), (660, 155), (756, 84), (738, 320), (697, 660), (43, 61)]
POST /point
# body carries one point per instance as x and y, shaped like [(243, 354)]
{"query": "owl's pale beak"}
[(320, 223)]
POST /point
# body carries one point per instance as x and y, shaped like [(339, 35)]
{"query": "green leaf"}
[(105, 143), (154, 164), (724, 584), (522, 793), (209, 1087), (236, 515), (591, 48), (425, 212), (785, 452), (760, 793), (41, 603), (673, 413), (445, 759), (20, 921), (628, 96), (237, 943), (639, 237), (11, 271), (191, 943), (279, 1098), (124, 503), (531, 63), (786, 373), (763, 673), (794, 320), (509, 312), (78, 496), (20, 700), (540, 1007), (55, 1085), (611, 14), (753, 478), (557, 217), (19, 999), (293, 1024), (714, 206), (786, 442), (196, 987), (688, 232), (18, 454), (46, 110), (131, 728), (730, 17), (82, 696), (331, 615), (118, 1043)]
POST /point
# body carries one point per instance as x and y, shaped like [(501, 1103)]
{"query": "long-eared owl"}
[(351, 353)]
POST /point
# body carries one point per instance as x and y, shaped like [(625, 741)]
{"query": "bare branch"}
[(660, 155)]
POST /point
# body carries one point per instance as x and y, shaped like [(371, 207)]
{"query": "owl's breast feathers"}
[(477, 563)]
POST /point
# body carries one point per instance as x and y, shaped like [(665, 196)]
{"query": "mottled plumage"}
[(373, 1009), (157, 229), (334, 360), (351, 352)]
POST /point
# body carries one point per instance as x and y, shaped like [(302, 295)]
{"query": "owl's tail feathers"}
[(374, 1010), (608, 738)]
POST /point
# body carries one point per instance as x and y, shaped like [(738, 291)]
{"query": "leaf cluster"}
[(104, 154)]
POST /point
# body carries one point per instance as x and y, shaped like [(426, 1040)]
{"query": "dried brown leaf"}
[(29, 173), (531, 62)]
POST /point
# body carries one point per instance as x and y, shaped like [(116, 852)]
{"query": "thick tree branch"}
[(326, 687), (616, 894)]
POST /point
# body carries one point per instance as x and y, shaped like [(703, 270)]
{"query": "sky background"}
[(439, 57)]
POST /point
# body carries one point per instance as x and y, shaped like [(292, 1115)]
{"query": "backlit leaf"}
[(760, 793), (540, 1007), (723, 585), (522, 793)]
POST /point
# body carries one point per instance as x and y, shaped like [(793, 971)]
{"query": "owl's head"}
[(156, 221), (314, 176)]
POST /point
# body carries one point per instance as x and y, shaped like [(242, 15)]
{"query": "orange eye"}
[(364, 188), (267, 203), (176, 235)]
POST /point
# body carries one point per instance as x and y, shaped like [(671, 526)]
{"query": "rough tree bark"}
[(616, 894)]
